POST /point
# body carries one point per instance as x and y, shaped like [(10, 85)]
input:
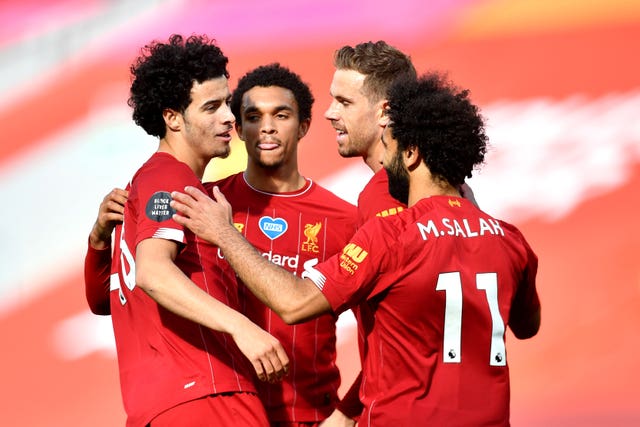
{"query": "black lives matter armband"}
[(158, 208)]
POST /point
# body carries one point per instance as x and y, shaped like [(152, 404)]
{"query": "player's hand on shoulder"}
[(110, 214), (201, 214)]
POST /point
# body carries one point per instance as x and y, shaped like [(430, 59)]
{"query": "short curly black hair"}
[(163, 76), (273, 75), (433, 115)]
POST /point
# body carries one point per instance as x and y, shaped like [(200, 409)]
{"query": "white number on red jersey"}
[(126, 262), (451, 283)]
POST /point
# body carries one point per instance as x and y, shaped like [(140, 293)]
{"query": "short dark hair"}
[(440, 120), (273, 75), (163, 76), (379, 62)]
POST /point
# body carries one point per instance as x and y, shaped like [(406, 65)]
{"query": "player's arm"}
[(110, 214), (338, 419), (164, 282), (97, 262), (348, 409), (97, 267), (525, 315), (294, 299)]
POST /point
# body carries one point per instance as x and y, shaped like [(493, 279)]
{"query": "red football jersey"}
[(438, 280), (375, 200), (289, 229), (165, 359)]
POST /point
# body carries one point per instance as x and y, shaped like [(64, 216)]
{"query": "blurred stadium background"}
[(558, 81)]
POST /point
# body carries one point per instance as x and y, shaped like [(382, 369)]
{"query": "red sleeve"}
[(347, 278), (350, 404), (524, 317), (152, 197), (97, 269)]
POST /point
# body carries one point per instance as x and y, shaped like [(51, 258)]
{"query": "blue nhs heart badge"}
[(272, 227)]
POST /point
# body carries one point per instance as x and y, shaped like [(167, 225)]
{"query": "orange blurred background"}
[(558, 82)]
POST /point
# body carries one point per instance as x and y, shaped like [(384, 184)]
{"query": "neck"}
[(421, 187), (276, 180), (182, 154), (373, 155), (374, 165)]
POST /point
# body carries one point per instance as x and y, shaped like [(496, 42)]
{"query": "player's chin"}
[(346, 151), (270, 163), (222, 152)]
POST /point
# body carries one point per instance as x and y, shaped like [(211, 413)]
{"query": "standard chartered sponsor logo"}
[(282, 260)]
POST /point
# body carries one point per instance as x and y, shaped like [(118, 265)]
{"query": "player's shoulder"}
[(223, 182), (378, 181), (388, 227), (514, 233), (162, 168), (332, 200), (375, 199), (404, 220), (510, 232), (379, 177), (508, 227), (161, 159)]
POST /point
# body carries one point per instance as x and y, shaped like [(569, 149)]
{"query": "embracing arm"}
[(348, 409), (350, 404), (165, 283), (97, 269), (292, 298), (97, 262), (338, 419)]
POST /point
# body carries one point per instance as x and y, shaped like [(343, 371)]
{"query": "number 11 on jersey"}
[(451, 283)]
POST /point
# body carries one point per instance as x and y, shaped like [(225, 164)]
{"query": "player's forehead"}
[(267, 98), (212, 90), (347, 84)]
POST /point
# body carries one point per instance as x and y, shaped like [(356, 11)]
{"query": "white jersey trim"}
[(312, 274), (296, 194), (114, 282), (169, 234)]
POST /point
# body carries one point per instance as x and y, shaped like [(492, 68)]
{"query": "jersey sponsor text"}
[(351, 256), (282, 260)]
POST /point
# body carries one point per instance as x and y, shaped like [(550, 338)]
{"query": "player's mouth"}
[(225, 136), (268, 144)]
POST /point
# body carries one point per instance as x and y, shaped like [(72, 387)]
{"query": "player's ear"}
[(383, 118), (303, 128), (238, 126), (412, 157), (172, 119)]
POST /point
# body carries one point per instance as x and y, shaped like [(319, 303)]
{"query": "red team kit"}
[(291, 229), (195, 361), (310, 232)]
